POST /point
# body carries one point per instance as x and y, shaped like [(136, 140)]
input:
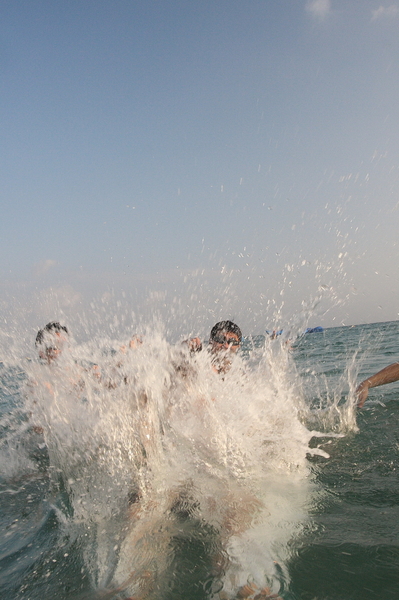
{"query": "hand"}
[(362, 391), (96, 371), (135, 341), (194, 344)]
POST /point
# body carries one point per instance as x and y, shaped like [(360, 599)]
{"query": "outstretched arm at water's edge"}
[(387, 375)]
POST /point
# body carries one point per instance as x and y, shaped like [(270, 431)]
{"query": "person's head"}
[(225, 335), (50, 341)]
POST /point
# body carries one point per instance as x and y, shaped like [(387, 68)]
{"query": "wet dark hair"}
[(225, 327), (53, 326)]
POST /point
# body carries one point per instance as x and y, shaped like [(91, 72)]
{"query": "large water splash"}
[(162, 429), (149, 448)]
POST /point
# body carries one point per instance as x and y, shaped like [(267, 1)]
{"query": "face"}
[(225, 341), (54, 347)]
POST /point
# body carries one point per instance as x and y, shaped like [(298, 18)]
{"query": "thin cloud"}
[(53, 299), (43, 267), (319, 9), (385, 12)]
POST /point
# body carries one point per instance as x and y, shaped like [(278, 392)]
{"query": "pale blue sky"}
[(206, 153)]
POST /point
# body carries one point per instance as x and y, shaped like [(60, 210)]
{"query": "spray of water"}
[(149, 448), (152, 434)]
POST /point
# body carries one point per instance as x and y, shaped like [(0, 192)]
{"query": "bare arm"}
[(387, 375)]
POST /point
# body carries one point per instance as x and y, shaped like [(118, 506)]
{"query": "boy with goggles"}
[(224, 340), (225, 335)]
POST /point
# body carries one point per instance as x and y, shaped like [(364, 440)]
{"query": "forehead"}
[(60, 334), (49, 337)]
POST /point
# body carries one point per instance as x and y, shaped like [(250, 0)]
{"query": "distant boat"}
[(313, 329)]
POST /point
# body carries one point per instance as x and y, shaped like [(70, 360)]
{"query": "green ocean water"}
[(340, 543), (353, 552)]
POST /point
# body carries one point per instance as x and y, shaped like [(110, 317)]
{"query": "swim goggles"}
[(222, 339)]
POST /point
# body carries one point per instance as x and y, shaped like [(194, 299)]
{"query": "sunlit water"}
[(152, 476)]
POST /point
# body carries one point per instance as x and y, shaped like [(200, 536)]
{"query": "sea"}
[(129, 473)]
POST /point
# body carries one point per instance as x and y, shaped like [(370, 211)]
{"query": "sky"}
[(199, 160)]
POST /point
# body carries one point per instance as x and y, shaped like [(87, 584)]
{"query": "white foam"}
[(164, 425)]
